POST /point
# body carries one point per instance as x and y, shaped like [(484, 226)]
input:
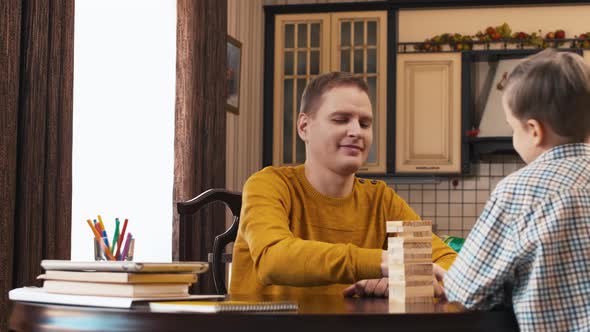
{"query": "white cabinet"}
[(428, 113)]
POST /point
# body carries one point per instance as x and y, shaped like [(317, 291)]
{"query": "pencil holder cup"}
[(100, 255)]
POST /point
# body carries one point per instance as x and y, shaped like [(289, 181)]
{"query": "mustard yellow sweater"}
[(294, 240)]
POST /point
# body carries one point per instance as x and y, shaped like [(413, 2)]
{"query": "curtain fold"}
[(37, 38), (200, 124)]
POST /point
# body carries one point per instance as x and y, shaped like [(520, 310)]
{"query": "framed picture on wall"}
[(234, 64)]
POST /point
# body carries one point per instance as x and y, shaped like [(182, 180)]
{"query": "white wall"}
[(572, 19), (123, 145)]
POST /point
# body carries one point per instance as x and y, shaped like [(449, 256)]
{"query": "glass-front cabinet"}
[(307, 45)]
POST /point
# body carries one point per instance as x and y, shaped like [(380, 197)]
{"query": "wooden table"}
[(317, 313)]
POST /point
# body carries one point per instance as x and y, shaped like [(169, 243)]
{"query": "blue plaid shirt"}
[(533, 239)]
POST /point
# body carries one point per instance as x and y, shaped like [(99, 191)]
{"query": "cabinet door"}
[(310, 44), (587, 56), (359, 46), (428, 113), (302, 51)]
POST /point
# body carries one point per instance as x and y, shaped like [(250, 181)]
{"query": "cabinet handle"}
[(427, 167)]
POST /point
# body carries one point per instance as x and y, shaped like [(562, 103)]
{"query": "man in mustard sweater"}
[(317, 228)]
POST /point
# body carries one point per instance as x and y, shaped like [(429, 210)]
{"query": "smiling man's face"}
[(339, 134)]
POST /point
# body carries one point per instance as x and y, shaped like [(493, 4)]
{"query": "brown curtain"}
[(36, 76), (199, 147)]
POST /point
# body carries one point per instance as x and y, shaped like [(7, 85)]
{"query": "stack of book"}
[(410, 261), (124, 279), (111, 283)]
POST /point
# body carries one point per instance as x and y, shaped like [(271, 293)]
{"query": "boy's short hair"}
[(553, 88), (315, 89)]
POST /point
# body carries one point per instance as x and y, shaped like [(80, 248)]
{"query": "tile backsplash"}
[(454, 203)]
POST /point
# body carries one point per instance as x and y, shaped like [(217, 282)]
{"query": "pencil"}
[(121, 239), (100, 241), (115, 236), (126, 248), (102, 225)]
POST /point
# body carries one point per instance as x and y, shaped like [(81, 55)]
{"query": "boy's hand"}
[(369, 287), (439, 274)]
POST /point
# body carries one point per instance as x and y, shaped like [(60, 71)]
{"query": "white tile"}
[(456, 233), (456, 223), (444, 184), (496, 169), (469, 183), (428, 186), (469, 210), (455, 210), (428, 196), (442, 222), (417, 207), (456, 184), (405, 194), (442, 209), (415, 196), (442, 232), (469, 196), (402, 186), (482, 196), (428, 210), (456, 196), (442, 196), (468, 222), (483, 182), (484, 169), (480, 208), (494, 181), (415, 187), (510, 168)]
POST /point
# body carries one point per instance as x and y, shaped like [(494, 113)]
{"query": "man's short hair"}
[(553, 88), (315, 89)]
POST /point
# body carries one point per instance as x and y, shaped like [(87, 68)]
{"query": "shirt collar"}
[(565, 151)]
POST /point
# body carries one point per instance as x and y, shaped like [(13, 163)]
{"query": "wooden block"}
[(402, 223), (403, 278), (420, 235), (406, 258), (409, 226), (426, 299), (402, 293), (400, 251), (410, 270), (411, 283), (409, 243), (422, 305)]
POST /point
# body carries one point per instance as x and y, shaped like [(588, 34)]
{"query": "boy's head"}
[(335, 122), (547, 102)]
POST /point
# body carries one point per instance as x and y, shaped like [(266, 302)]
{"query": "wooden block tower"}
[(409, 249)]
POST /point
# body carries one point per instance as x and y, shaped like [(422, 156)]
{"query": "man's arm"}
[(486, 261), (280, 258)]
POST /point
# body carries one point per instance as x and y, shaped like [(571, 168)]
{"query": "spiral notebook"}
[(223, 306)]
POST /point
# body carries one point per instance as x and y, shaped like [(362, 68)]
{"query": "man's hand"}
[(439, 274), (384, 264), (380, 287), (369, 287)]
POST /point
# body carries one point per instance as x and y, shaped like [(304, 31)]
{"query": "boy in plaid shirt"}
[(531, 245)]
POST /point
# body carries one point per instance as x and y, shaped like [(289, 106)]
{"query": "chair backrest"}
[(217, 259)]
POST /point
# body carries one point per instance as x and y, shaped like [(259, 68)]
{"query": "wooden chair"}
[(217, 259)]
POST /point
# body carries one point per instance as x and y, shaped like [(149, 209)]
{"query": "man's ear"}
[(537, 131), (302, 125)]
